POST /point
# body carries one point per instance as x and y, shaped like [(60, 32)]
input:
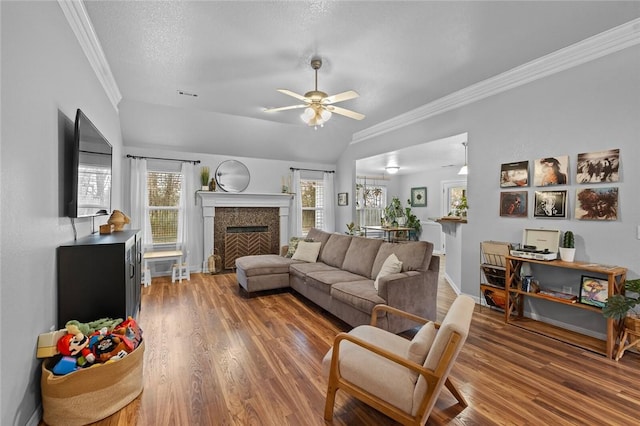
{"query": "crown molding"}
[(605, 43), (82, 27)]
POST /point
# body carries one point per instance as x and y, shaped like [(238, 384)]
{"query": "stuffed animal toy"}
[(130, 331), (118, 220), (76, 344), (89, 328)]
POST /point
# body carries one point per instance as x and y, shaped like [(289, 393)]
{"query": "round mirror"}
[(232, 176)]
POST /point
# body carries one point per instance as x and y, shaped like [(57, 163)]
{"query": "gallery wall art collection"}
[(598, 202)]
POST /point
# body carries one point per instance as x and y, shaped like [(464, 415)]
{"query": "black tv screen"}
[(91, 180)]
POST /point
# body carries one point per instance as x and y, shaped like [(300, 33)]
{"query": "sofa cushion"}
[(264, 264), (335, 249), (359, 294), (307, 251), (392, 265), (415, 255), (323, 280), (302, 269), (360, 256), (316, 234)]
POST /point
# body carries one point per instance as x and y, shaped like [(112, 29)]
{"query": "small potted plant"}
[(412, 222), (204, 178), (568, 250), (622, 306)]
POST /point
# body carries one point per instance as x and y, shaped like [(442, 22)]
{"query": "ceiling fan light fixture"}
[(392, 170)]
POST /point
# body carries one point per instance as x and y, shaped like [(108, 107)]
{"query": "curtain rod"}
[(139, 157), (311, 170)]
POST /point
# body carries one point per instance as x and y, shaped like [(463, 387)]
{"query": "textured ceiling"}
[(234, 55)]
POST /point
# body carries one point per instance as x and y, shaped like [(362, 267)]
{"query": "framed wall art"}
[(513, 204), (550, 204), (593, 291), (595, 167), (597, 204), (343, 199), (419, 197), (514, 174), (551, 171)]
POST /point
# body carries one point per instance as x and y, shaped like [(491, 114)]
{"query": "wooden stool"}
[(180, 272), (634, 340), (146, 277)]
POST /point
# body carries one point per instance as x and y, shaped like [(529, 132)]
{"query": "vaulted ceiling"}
[(234, 55)]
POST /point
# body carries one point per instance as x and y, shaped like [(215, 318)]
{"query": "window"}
[(371, 200), (312, 204), (164, 189)]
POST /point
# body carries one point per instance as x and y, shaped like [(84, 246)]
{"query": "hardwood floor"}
[(214, 357)]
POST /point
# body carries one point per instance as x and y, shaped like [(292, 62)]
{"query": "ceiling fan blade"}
[(344, 96), (293, 94), (285, 108), (345, 112)]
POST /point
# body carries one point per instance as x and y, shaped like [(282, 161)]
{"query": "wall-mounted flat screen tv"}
[(91, 180)]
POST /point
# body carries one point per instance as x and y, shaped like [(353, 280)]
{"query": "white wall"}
[(591, 107), (45, 78)]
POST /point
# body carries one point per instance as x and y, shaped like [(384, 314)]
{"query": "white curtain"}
[(295, 215), (185, 212), (140, 200), (329, 203)]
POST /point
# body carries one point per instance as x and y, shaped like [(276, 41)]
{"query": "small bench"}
[(155, 256)]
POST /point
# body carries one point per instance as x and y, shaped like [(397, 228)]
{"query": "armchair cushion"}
[(421, 343), (392, 382)]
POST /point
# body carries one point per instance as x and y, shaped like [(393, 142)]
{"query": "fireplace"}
[(225, 213)]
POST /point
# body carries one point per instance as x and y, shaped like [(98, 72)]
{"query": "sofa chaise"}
[(343, 279)]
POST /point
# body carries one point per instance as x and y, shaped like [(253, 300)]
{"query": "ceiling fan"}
[(318, 105)]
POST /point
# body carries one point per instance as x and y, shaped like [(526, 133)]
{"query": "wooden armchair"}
[(401, 378)]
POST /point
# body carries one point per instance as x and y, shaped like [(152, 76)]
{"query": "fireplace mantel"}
[(211, 200)]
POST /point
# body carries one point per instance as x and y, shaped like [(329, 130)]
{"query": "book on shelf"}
[(559, 295)]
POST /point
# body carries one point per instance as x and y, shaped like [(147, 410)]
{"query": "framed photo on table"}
[(419, 197), (343, 199)]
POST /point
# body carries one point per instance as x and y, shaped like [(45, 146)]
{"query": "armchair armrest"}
[(396, 311)]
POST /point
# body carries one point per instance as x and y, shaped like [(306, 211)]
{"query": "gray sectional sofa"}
[(342, 279)]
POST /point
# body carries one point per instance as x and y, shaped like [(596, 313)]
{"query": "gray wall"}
[(592, 107), (45, 78)]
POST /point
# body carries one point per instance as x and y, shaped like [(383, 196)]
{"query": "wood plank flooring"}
[(214, 357)]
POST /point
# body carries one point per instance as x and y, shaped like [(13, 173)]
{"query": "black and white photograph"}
[(597, 204), (514, 174), (550, 171), (550, 204), (596, 167), (343, 199)]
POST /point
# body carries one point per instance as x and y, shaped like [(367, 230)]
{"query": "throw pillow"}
[(293, 244), (421, 343), (307, 251), (390, 266)]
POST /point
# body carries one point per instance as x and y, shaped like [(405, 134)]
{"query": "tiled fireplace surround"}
[(244, 202)]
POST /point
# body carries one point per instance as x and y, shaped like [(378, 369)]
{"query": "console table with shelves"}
[(514, 312)]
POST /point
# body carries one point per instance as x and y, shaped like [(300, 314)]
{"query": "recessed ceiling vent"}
[(184, 93)]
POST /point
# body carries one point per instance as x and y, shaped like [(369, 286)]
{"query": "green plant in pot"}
[(621, 306), (568, 250), (204, 178), (413, 222), (393, 211)]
